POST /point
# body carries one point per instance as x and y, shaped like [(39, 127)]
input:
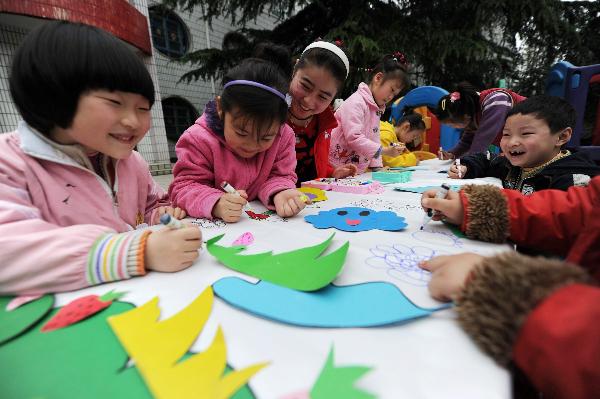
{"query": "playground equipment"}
[(572, 83), (422, 99)]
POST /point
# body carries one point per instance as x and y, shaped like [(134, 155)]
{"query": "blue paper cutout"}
[(420, 190), (357, 219), (362, 305)]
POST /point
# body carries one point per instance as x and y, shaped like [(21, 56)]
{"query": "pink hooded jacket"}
[(356, 138), (204, 161), (59, 220)]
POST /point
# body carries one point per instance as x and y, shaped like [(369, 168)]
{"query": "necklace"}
[(303, 121)]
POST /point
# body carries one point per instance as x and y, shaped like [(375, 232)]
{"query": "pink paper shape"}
[(245, 239), (297, 395), (20, 301)]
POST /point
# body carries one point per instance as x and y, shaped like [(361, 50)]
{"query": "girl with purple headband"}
[(241, 138)]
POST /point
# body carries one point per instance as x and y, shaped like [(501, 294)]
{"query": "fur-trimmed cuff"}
[(501, 293), (486, 213)]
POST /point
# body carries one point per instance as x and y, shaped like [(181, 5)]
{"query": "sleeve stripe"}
[(108, 258)]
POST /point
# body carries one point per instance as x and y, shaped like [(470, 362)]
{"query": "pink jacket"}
[(356, 138), (59, 220), (204, 161)]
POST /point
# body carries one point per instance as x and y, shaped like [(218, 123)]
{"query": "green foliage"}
[(449, 41)]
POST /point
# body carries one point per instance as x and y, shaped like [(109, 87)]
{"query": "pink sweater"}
[(356, 138), (204, 161)]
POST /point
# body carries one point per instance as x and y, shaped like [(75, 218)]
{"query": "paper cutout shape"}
[(338, 382), (245, 239), (20, 301), (79, 309), (392, 176), (361, 305), (347, 185), (315, 194), (420, 190), (19, 320), (85, 360), (157, 348), (259, 216), (357, 219), (302, 269)]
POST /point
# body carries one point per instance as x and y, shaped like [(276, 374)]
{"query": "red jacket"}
[(558, 345)]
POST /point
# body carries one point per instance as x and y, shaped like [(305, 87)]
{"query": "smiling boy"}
[(532, 143)]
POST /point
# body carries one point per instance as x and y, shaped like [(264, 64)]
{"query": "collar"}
[(37, 145), (367, 95)]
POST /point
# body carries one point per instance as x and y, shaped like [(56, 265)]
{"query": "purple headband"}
[(255, 84)]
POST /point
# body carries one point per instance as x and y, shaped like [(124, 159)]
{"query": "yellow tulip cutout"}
[(157, 348)]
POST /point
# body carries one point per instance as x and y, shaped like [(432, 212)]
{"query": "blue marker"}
[(171, 222), (441, 193)]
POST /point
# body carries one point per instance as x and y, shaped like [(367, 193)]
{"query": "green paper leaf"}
[(302, 269), (338, 382), (17, 321)]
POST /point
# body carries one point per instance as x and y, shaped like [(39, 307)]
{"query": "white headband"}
[(334, 49)]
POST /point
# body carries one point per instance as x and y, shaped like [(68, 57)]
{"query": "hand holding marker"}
[(441, 194), (228, 188), (457, 162), (171, 222)]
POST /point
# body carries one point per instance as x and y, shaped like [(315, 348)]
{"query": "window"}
[(169, 33), (179, 114)]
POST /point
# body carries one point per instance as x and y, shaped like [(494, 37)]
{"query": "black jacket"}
[(572, 170)]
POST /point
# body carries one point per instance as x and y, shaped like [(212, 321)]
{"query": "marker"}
[(228, 188), (441, 154), (441, 193), (304, 198), (171, 222), (487, 155), (457, 163)]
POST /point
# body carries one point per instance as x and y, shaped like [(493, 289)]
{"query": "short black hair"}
[(414, 119), (555, 111), (59, 61), (324, 58), (455, 111), (392, 68), (260, 106)]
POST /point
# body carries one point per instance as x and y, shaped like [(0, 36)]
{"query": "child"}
[(534, 311), (241, 139), (72, 190), (407, 129), (318, 76), (482, 115), (535, 131), (356, 139)]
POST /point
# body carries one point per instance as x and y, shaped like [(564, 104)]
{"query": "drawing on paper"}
[(209, 224), (438, 237)]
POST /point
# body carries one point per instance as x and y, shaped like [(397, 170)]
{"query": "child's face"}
[(405, 134), (312, 90), (527, 141), (242, 138), (385, 90), (111, 123)]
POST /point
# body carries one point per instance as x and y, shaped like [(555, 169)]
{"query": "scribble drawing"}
[(437, 237), (209, 224), (377, 203), (402, 262)]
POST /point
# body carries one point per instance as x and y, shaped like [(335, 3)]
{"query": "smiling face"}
[(109, 122), (312, 90), (245, 138), (405, 134), (384, 90), (527, 141)]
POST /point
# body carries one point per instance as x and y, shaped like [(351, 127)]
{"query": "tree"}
[(449, 41)]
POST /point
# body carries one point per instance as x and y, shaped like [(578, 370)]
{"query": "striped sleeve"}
[(117, 257)]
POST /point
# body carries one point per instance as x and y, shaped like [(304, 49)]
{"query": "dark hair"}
[(414, 119), (451, 109), (258, 105), (392, 68), (324, 58), (277, 54), (59, 61), (555, 111)]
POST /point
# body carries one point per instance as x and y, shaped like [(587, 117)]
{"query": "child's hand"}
[(177, 213), (344, 171), (449, 274), (449, 209), (392, 151), (443, 155), (453, 171), (288, 202), (229, 207), (172, 250)]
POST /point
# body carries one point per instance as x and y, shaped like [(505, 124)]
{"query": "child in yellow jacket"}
[(407, 129)]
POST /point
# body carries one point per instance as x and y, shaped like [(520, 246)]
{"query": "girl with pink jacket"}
[(356, 138), (72, 190), (241, 139)]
